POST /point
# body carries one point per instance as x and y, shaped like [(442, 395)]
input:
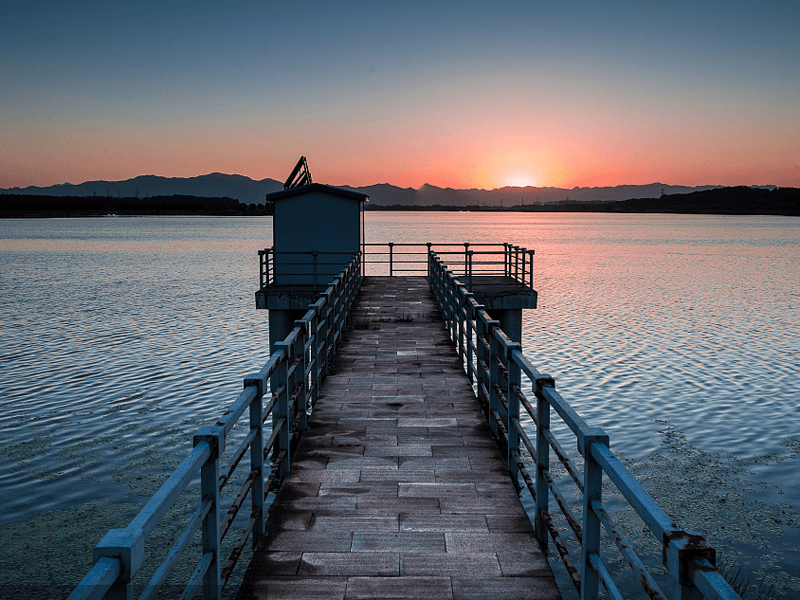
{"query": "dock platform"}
[(397, 489)]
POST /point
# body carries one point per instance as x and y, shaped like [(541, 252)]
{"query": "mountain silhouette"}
[(249, 191), (219, 185)]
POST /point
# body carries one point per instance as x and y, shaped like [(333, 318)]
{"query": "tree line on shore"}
[(24, 205), (733, 201), (722, 201)]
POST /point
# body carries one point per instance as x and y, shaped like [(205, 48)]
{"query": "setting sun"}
[(520, 178)]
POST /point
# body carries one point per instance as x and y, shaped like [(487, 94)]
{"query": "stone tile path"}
[(397, 490)]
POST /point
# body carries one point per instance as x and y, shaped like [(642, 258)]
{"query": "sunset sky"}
[(455, 94)]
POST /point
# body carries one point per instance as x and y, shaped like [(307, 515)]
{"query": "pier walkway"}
[(397, 489)]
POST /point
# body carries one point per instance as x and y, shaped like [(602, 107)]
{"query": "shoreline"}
[(740, 201)]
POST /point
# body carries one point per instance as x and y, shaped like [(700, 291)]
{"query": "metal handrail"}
[(490, 259), (496, 366), (297, 265), (295, 371)]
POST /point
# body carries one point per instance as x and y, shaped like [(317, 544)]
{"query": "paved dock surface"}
[(397, 489)]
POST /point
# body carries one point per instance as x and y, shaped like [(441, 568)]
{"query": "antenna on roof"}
[(300, 175)]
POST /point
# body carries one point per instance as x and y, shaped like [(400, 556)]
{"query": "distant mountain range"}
[(213, 185), (250, 191)]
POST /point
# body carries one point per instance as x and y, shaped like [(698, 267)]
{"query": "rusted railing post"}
[(681, 550)]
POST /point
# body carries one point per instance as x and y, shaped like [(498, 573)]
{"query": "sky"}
[(454, 94)]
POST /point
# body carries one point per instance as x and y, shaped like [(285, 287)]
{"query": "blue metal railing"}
[(496, 366), (489, 260), (399, 259), (311, 268), (295, 370)]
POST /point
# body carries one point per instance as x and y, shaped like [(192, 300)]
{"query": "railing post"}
[(127, 546), (681, 548), (482, 376), (281, 410), (429, 259), (338, 300), (331, 315), (323, 329), (335, 299), (209, 490), (463, 320), (436, 280), (301, 342), (316, 367), (257, 453), (469, 255), (452, 300), (514, 382), (494, 373), (592, 491), (542, 456), (471, 304), (448, 303), (466, 256), (531, 253), (261, 269), (506, 259), (391, 259)]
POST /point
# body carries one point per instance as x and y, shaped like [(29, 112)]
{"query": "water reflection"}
[(118, 337)]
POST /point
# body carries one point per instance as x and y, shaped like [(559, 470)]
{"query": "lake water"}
[(678, 334)]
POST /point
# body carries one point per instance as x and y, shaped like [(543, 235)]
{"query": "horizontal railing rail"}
[(465, 260), (295, 371), (496, 366), (314, 268)]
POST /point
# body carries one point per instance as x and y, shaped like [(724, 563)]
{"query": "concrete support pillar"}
[(510, 322), (281, 323)]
